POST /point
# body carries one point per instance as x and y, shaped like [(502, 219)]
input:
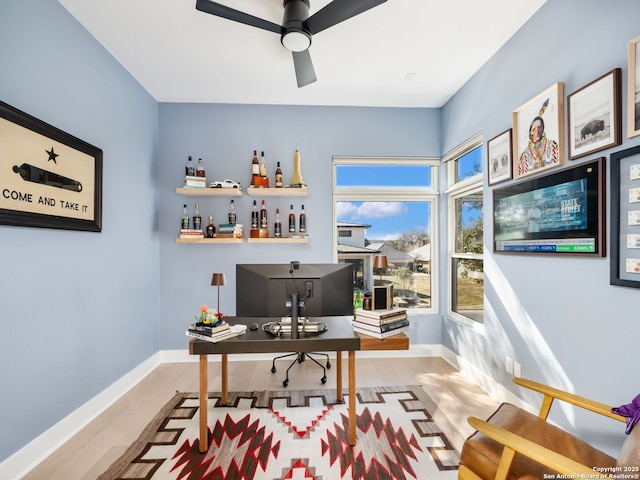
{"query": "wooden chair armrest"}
[(532, 450), (550, 393)]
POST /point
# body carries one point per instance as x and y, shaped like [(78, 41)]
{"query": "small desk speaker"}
[(382, 297)]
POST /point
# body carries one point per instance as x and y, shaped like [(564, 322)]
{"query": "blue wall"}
[(78, 310), (224, 136), (110, 300), (558, 317)]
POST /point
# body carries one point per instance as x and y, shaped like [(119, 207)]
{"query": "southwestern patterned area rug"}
[(296, 435)]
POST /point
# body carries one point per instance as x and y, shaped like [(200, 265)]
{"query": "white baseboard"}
[(25, 459)]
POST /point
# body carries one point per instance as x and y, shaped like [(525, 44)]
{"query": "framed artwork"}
[(633, 89), (625, 218), (594, 115), (538, 133), (48, 178), (558, 213), (499, 158)]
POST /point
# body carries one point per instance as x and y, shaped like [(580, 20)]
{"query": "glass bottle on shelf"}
[(255, 219), (197, 219), (302, 225), (292, 221), (211, 228), (232, 213), (200, 169), (278, 176), (277, 228), (263, 216), (190, 168), (184, 220), (255, 168), (263, 166)]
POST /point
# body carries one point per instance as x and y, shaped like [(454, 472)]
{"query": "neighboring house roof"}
[(352, 225), (422, 253), (392, 254), (342, 248)]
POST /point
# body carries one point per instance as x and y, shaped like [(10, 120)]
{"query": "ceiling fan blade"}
[(338, 11), (305, 74), (237, 16)]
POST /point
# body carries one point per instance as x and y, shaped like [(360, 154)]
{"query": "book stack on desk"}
[(380, 323), (215, 334)]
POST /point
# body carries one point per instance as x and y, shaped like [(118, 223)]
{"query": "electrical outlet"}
[(308, 288), (509, 365), (517, 369)]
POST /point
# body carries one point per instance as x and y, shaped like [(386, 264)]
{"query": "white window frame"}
[(455, 191), (399, 194)]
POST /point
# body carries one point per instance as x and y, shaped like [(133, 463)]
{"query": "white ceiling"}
[(403, 53)]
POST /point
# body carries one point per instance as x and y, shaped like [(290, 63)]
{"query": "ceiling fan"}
[(297, 26)]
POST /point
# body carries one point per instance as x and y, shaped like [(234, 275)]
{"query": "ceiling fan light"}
[(296, 41)]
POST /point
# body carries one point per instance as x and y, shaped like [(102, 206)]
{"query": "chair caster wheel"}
[(273, 369), (323, 380), (328, 365), (285, 383)]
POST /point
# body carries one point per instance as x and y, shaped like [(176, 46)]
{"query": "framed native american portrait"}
[(48, 178), (538, 134)]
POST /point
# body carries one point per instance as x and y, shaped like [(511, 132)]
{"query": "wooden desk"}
[(394, 342), (339, 337)]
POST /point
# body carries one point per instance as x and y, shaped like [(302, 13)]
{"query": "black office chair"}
[(300, 356)]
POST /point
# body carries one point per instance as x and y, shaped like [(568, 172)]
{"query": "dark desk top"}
[(339, 336)]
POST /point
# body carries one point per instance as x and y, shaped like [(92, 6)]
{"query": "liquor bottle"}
[(255, 168), (263, 216), (263, 165), (232, 213), (197, 219), (264, 180), (292, 221), (200, 169), (184, 221), (277, 228), (302, 225), (211, 228), (190, 168), (278, 176), (255, 219)]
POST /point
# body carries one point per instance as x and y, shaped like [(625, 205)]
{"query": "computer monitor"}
[(262, 289)]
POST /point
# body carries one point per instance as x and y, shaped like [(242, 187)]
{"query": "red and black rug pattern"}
[(296, 435)]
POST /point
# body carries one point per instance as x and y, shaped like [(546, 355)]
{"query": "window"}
[(465, 200), (388, 206)]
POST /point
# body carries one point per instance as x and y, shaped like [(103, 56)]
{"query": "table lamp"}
[(217, 280), (380, 261)]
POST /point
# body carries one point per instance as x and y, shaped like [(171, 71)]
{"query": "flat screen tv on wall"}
[(559, 213)]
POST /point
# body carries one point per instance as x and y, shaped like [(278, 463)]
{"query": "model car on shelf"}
[(226, 183)]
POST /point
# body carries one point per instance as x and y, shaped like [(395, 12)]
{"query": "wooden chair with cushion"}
[(515, 444)]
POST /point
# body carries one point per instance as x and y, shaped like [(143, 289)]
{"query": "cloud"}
[(370, 210)]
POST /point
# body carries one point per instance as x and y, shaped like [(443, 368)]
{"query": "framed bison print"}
[(595, 115), (499, 158)]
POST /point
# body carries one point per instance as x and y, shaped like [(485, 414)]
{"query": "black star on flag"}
[(52, 155)]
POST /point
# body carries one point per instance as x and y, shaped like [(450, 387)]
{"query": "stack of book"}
[(215, 334), (380, 323), (195, 182), (191, 233)]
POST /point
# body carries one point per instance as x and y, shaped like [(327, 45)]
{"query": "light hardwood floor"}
[(92, 450)]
